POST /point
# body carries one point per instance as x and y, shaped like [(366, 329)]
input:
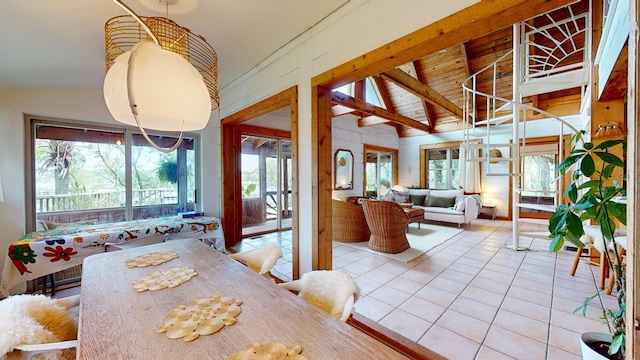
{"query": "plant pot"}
[(595, 345)]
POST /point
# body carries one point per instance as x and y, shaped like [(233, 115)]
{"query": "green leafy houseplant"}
[(594, 200), (247, 190), (168, 171)]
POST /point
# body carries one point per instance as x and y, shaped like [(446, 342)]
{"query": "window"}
[(80, 172), (371, 92), (539, 184), (443, 168)]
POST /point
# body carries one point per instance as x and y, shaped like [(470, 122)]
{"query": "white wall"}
[(347, 135)]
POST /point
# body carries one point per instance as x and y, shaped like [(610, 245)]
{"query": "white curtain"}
[(469, 170)]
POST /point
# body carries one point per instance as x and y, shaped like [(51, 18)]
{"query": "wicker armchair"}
[(388, 225), (349, 224)]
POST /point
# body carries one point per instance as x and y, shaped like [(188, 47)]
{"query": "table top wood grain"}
[(117, 322)]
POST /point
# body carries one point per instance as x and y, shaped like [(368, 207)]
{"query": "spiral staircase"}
[(550, 53)]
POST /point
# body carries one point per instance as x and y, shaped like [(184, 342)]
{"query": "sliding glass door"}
[(266, 184)]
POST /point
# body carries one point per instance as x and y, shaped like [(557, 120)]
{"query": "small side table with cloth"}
[(46, 252)]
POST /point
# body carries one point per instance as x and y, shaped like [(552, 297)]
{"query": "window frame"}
[(30, 123), (424, 150), (448, 169)]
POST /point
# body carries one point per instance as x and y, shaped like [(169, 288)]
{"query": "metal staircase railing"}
[(540, 64)]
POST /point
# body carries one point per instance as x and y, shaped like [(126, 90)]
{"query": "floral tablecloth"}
[(41, 253)]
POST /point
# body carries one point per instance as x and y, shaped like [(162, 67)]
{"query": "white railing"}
[(558, 48), (106, 199)]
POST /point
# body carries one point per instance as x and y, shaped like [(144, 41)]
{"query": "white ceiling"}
[(60, 44)]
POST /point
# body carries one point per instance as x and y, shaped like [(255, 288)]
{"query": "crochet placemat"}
[(164, 278), (200, 317), (154, 258), (269, 351)]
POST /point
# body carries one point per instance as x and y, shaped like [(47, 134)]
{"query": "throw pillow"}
[(460, 205), (445, 202), (417, 199), (400, 197)]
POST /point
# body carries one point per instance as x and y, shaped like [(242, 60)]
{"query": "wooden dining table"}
[(117, 322)]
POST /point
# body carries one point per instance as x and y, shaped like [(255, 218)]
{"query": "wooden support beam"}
[(364, 107), (429, 113), (372, 120), (421, 90)]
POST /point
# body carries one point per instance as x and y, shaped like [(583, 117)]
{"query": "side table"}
[(488, 210)]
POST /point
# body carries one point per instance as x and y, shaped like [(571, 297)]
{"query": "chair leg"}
[(576, 260), (603, 270), (612, 280)]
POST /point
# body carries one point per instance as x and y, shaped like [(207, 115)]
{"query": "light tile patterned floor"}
[(472, 297)]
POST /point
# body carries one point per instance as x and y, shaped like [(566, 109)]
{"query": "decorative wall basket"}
[(608, 128), (494, 154)]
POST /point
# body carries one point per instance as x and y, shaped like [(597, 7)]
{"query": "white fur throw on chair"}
[(37, 319), (593, 237), (260, 260), (332, 291)]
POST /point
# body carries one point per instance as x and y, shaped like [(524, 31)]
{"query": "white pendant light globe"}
[(169, 94)]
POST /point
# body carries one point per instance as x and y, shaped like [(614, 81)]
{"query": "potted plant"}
[(595, 200)]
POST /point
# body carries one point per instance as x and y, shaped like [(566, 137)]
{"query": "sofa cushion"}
[(418, 199), (441, 210), (401, 197), (460, 204), (443, 202), (458, 193)]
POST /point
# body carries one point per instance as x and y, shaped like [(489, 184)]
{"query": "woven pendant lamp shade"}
[(123, 32)]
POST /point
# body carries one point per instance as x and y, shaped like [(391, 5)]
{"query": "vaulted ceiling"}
[(425, 95)]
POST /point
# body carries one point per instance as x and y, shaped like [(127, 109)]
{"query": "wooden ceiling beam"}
[(429, 112), (367, 108), (372, 120), (421, 90), (383, 90)]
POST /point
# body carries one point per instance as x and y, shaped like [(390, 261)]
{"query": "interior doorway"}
[(272, 121)]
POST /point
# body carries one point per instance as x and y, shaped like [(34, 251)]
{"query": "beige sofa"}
[(439, 205)]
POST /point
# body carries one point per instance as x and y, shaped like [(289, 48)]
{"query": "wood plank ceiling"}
[(425, 95)]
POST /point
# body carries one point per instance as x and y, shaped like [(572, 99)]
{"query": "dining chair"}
[(592, 238), (333, 291), (37, 324), (260, 260)]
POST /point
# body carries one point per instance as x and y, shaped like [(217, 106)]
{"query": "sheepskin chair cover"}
[(37, 319), (593, 237), (329, 290), (260, 260)]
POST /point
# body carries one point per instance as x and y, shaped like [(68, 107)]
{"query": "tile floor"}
[(472, 297)]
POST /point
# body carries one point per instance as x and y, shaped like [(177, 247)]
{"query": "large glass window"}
[(82, 173), (539, 184), (443, 168)]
